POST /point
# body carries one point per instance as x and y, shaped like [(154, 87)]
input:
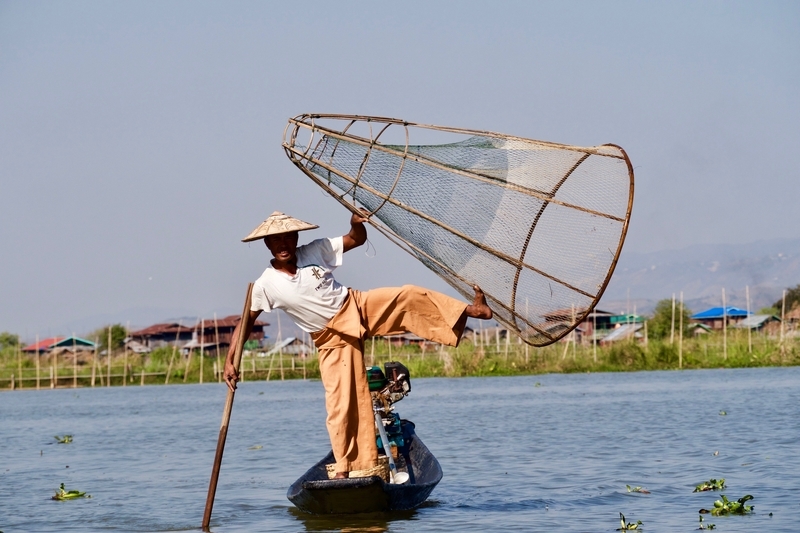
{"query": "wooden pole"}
[(94, 359), (19, 362), (783, 317), (54, 367), (125, 360), (202, 341), (226, 414), (724, 326), (594, 335), (680, 335), (216, 341), (672, 323), (74, 363), (37, 361), (749, 329), (575, 331), (526, 320), (188, 362), (371, 353), (108, 355), (174, 349)]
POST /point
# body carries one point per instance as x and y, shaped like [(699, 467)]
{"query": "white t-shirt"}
[(312, 296)]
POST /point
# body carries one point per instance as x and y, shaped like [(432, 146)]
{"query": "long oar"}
[(226, 414)]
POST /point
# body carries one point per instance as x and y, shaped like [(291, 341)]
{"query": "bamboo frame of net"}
[(318, 135)]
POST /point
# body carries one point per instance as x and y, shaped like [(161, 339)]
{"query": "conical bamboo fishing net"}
[(538, 225)]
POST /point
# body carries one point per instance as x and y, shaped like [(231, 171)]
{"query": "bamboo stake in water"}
[(680, 335), (672, 323), (216, 341), (575, 332), (74, 363), (526, 320), (724, 326), (749, 328), (783, 317), (174, 349), (594, 335), (94, 359), (125, 359), (37, 361), (280, 348), (189, 361), (54, 367), (226, 414), (108, 354), (202, 341), (19, 362)]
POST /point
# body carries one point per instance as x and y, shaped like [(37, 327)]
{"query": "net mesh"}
[(539, 226)]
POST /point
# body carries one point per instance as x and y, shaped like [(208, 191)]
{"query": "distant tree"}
[(660, 325), (792, 299), (118, 335), (8, 340)]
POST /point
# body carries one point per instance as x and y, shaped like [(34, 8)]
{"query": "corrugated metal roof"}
[(622, 332), (717, 312), (756, 321)]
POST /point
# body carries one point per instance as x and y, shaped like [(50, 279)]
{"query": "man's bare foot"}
[(479, 308), (341, 475)]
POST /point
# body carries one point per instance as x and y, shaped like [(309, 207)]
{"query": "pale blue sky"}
[(140, 141)]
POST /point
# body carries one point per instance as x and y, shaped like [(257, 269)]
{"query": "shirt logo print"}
[(316, 272)]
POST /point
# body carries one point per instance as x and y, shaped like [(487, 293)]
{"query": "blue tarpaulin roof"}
[(717, 312)]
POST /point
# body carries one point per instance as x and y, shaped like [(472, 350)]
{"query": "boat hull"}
[(314, 493)]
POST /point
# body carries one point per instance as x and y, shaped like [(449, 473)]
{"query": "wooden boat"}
[(315, 493)]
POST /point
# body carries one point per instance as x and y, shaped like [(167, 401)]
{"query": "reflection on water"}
[(515, 455), (366, 523)]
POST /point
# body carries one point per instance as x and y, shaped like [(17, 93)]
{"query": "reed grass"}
[(468, 359)]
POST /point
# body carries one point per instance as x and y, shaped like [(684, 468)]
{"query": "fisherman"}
[(300, 282)]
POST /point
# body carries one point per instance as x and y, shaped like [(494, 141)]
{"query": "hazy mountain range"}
[(640, 280), (701, 272)]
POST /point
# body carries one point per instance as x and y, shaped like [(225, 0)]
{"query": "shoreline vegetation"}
[(480, 356)]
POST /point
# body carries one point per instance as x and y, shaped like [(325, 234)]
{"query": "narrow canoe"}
[(315, 493)]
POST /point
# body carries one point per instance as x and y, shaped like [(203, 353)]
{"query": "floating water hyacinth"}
[(64, 494), (711, 484), (637, 489), (725, 506), (627, 526), (66, 439)]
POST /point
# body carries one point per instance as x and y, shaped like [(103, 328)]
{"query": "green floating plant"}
[(706, 526), (726, 506), (627, 526), (66, 439), (64, 494), (723, 413), (637, 489), (711, 484)]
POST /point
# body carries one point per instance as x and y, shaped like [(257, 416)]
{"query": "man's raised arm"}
[(358, 233)]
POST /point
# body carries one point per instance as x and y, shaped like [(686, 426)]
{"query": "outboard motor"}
[(389, 387), (386, 389)]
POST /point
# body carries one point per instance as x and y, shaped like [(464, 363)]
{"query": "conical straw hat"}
[(278, 223)]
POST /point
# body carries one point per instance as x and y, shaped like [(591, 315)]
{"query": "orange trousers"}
[(387, 311)]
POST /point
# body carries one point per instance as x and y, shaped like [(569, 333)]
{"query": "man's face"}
[(283, 246)]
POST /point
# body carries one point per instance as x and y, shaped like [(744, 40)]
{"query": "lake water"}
[(536, 453)]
